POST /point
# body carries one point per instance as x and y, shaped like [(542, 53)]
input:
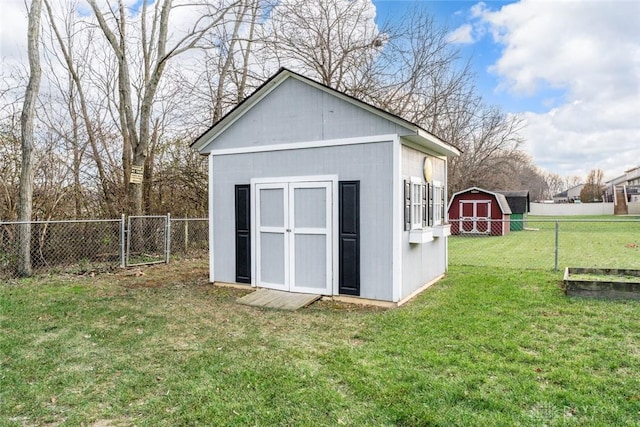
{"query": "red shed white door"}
[(475, 216)]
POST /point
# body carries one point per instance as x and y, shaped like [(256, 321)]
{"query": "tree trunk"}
[(74, 78), (147, 182), (25, 205), (135, 118)]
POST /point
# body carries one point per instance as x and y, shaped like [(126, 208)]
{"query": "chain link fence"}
[(548, 244), (190, 238), (147, 241), (95, 245), (82, 246)]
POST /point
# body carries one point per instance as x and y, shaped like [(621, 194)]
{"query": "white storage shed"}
[(314, 191)]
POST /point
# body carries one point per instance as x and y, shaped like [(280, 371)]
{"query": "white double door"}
[(475, 216), (293, 229)]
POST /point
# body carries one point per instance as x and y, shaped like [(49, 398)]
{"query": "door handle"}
[(288, 230)]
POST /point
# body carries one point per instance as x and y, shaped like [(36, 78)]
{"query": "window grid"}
[(416, 204), (424, 204), (438, 203)]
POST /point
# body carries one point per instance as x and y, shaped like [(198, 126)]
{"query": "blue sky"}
[(570, 68), (483, 53)]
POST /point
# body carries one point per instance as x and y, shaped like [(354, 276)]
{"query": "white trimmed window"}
[(417, 200), (438, 203)]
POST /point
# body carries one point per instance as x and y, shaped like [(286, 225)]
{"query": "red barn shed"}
[(478, 211)]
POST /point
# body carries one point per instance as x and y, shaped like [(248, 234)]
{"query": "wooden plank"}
[(270, 298)]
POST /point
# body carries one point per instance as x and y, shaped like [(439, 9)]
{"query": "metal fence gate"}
[(148, 240)]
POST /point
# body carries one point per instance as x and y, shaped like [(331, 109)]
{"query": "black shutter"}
[(407, 205), (349, 237), (425, 208), (442, 206), (243, 234)]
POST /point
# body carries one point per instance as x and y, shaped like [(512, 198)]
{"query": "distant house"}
[(628, 183), (624, 191), (570, 195), (478, 211), (314, 191), (519, 204)]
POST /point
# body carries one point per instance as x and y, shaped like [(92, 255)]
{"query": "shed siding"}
[(299, 112), (369, 163), (421, 263), (516, 222), (496, 213), (501, 225)]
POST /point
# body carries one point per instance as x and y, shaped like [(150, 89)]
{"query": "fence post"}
[(186, 235), (167, 245), (557, 244), (122, 242)]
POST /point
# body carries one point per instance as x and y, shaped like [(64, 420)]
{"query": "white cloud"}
[(591, 51), (463, 35), (13, 29)]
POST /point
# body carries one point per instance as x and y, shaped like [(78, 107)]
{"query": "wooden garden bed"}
[(610, 283)]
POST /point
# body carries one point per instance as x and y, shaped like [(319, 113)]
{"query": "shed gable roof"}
[(413, 132), (518, 200), (502, 201)]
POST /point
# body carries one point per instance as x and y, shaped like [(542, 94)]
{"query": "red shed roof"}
[(502, 201)]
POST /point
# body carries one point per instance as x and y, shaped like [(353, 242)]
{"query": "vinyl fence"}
[(548, 244), (81, 246)]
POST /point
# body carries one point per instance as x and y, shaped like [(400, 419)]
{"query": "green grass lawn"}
[(484, 346), (603, 241)]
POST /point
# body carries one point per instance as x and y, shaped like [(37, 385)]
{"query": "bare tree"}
[(10, 158), (181, 173), (226, 73), (76, 94), (240, 74), (25, 204), (554, 184), (53, 181), (329, 40), (592, 190), (418, 75), (229, 43), (125, 101), (490, 154), (525, 175), (408, 68), (153, 38)]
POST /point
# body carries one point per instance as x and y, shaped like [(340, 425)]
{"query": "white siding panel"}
[(298, 112), (421, 263), (371, 164), (309, 207)]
